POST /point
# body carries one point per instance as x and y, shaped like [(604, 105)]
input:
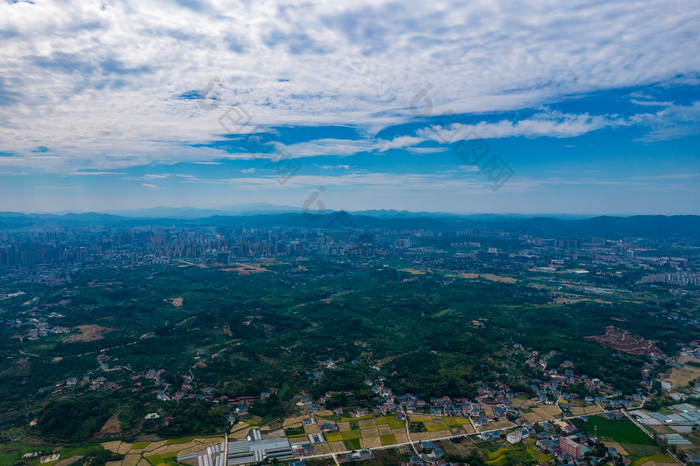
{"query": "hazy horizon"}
[(244, 209)]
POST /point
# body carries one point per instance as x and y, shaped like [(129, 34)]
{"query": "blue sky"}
[(469, 107)]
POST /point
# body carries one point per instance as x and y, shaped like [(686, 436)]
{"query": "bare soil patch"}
[(489, 276), (624, 342), (246, 268), (88, 333), (110, 428), (177, 302)]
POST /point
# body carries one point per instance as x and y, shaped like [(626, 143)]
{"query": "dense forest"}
[(244, 334)]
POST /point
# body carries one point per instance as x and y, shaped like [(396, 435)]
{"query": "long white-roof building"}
[(252, 449)]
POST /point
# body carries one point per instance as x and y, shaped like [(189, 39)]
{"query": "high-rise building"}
[(570, 447)]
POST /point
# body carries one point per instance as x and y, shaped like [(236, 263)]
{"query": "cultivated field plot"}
[(501, 453), (292, 422), (593, 409), (533, 417), (439, 427), (371, 433), (334, 437), (351, 434), (436, 425), (624, 433), (496, 425), (430, 435), (371, 442), (344, 426), (518, 402), (240, 430), (366, 423), (616, 446), (547, 412), (312, 429), (681, 377), (456, 421), (463, 429), (322, 448), (117, 446), (157, 452), (337, 446), (390, 421)]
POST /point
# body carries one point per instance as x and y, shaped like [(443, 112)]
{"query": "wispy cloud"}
[(82, 96), (362, 63), (549, 124)]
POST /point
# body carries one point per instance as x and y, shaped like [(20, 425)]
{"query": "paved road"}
[(412, 443), (631, 418), (408, 436)]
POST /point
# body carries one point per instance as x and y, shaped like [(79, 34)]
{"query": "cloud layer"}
[(111, 76), (99, 88)]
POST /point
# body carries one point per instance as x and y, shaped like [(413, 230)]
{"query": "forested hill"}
[(605, 226)]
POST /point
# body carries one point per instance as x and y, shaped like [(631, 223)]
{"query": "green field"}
[(284, 390), (456, 421), (500, 452), (333, 437), (175, 441), (154, 459), (391, 421), (353, 444), (433, 427), (659, 458), (388, 439), (348, 419), (622, 431), (11, 452), (351, 434)]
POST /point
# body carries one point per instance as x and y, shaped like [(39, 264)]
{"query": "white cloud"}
[(549, 123), (99, 86), (401, 143), (149, 185)]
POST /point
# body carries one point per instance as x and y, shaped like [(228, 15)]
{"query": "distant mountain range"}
[(266, 208), (267, 215)]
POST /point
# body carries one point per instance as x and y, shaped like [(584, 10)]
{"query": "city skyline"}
[(450, 107)]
